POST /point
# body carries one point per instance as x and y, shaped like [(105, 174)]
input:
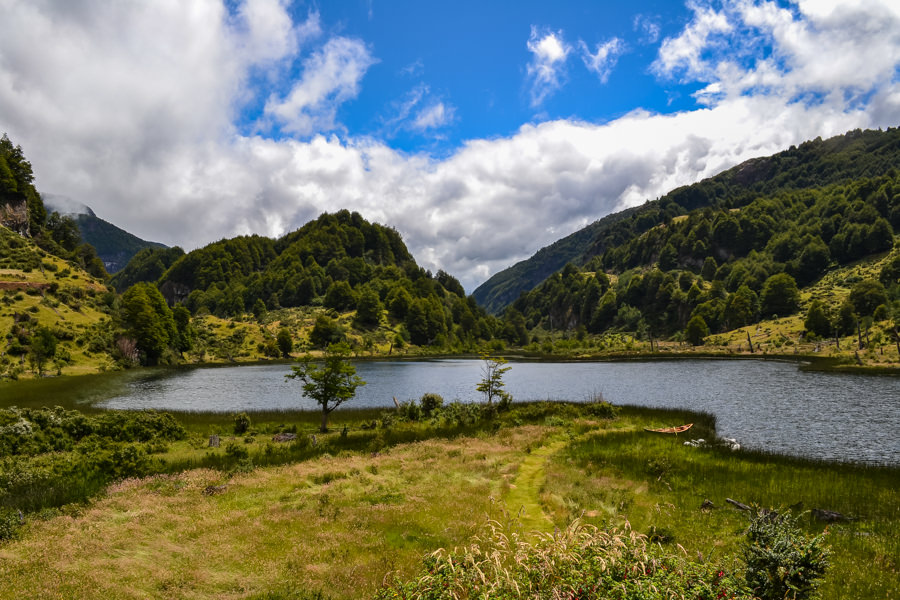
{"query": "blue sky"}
[(480, 131), (472, 58)]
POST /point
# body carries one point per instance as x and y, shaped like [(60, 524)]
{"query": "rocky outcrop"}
[(14, 215)]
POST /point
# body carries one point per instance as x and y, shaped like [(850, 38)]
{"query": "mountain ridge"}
[(810, 164)]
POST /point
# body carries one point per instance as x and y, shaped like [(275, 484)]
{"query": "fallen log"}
[(740, 505), (828, 516)]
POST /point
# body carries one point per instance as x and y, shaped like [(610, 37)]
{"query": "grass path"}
[(524, 495)]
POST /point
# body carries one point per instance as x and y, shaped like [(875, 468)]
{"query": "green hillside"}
[(359, 275), (114, 245), (814, 164), (815, 267)]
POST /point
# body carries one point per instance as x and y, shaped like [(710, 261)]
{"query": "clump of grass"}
[(578, 561)]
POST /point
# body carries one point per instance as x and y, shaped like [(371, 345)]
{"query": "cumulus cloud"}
[(330, 77), (817, 51), (545, 71), (602, 61), (131, 110)]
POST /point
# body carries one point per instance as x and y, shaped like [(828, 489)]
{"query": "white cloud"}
[(549, 52), (418, 110), (648, 27), (684, 52), (433, 116), (829, 51), (602, 61), (330, 77), (131, 110)]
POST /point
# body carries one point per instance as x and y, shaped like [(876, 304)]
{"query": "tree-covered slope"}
[(857, 154), (115, 246), (339, 262), (716, 269)]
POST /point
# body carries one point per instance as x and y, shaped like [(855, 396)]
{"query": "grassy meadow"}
[(338, 514)]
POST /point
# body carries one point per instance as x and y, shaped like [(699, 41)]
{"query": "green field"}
[(333, 517)]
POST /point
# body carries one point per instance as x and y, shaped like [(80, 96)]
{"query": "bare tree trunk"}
[(324, 427), (750, 342), (859, 335)]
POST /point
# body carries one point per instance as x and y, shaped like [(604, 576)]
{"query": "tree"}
[(326, 331), (148, 320), (696, 330), (866, 296), (779, 296), (817, 321), (491, 385), (285, 342), (43, 348), (330, 383), (368, 309)]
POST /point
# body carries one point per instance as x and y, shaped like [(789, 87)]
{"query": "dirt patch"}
[(23, 285)]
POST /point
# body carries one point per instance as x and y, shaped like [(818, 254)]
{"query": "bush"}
[(781, 561), (10, 522), (430, 403), (602, 409), (241, 423)]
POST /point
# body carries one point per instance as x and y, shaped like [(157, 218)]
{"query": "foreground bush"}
[(579, 562), (783, 562)]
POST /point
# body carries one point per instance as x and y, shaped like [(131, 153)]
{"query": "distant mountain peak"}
[(65, 205)]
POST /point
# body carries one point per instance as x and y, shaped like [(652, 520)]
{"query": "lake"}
[(766, 405)]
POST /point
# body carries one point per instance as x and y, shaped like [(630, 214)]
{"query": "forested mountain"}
[(114, 246), (338, 261), (740, 258), (855, 155)]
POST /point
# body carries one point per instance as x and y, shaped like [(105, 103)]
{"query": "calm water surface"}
[(765, 405)]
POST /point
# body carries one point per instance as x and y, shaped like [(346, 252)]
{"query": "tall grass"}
[(659, 485)]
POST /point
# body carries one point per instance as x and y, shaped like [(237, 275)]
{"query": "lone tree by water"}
[(491, 384), (331, 382)]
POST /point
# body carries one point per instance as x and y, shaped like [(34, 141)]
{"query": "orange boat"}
[(675, 430)]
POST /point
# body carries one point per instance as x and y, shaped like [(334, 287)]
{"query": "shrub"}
[(602, 409), (236, 451), (430, 403), (781, 561), (10, 522), (241, 423)]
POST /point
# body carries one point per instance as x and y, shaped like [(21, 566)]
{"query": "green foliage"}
[(330, 384), (147, 266), (696, 330), (11, 520), (148, 319), (241, 423), (368, 309), (325, 331), (866, 296), (43, 348), (340, 296), (817, 321), (821, 193), (52, 456), (779, 296), (430, 403), (285, 342), (491, 384), (781, 561)]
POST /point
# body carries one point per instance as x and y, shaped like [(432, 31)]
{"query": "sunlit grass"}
[(659, 485)]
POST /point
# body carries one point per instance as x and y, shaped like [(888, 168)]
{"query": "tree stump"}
[(214, 441)]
